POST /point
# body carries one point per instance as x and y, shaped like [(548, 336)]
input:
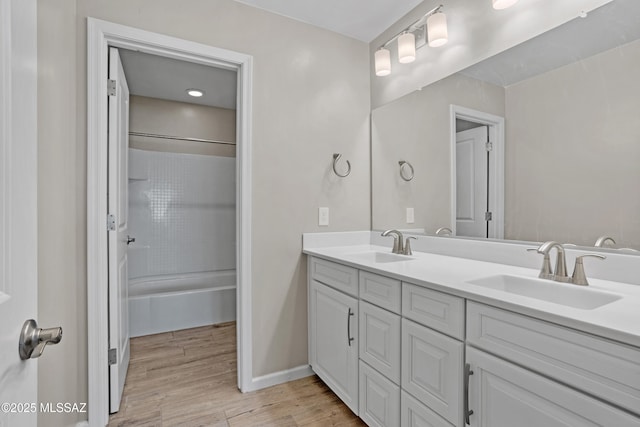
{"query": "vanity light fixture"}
[(196, 93), (503, 4), (433, 24)]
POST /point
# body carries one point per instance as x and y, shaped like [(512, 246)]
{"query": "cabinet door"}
[(504, 395), (415, 414), (380, 340), (379, 399), (432, 369), (333, 328)]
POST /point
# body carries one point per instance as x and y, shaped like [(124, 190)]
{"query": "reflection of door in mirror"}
[(472, 180), (477, 173)]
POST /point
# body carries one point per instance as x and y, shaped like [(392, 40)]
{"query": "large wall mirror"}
[(541, 142)]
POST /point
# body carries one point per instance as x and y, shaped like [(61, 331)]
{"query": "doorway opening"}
[(172, 197), (477, 173), (103, 36)]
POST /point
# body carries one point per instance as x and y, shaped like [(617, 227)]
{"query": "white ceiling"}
[(614, 24), (166, 78), (360, 19)]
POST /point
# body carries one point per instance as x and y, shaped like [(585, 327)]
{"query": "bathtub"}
[(172, 302)]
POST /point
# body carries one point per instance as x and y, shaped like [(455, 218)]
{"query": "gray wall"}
[(573, 152), (310, 99), (163, 117)]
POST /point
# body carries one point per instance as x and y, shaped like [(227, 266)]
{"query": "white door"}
[(18, 207), (334, 350), (118, 215), (472, 181)]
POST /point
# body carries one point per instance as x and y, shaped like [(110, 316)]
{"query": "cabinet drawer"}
[(380, 340), (603, 368), (336, 275), (432, 369), (437, 310), (415, 414), (379, 399), (381, 291)]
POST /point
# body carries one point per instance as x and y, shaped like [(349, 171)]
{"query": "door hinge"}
[(111, 87), (489, 146), (111, 222), (488, 216), (113, 356)]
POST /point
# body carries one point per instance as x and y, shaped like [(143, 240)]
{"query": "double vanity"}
[(443, 337)]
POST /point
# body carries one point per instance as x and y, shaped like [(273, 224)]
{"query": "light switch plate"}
[(410, 216), (323, 217)]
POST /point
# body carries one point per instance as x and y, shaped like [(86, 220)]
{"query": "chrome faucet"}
[(444, 231), (602, 240), (398, 244), (560, 273)]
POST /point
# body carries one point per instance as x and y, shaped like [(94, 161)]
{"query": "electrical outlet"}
[(410, 216), (323, 217)]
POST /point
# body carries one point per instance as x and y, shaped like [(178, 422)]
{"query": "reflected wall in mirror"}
[(570, 99)]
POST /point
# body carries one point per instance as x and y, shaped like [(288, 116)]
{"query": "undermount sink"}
[(380, 257), (559, 293)]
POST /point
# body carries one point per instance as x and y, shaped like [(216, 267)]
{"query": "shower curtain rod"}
[(181, 138)]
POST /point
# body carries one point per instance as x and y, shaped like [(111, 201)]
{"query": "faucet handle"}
[(545, 271), (407, 246), (579, 277)]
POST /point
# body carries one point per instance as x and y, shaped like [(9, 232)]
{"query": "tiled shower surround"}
[(181, 213)]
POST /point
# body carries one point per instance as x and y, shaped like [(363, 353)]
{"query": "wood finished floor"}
[(188, 378)]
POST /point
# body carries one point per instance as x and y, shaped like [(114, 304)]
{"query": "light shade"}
[(383, 62), (437, 33), (406, 48), (503, 4)]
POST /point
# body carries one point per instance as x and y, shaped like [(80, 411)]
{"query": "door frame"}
[(101, 35), (496, 173)]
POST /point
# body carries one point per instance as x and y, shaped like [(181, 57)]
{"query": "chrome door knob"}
[(33, 339)]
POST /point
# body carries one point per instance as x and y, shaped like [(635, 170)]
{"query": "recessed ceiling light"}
[(196, 93), (503, 4)]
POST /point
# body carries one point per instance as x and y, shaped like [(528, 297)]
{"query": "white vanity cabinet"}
[(399, 354)]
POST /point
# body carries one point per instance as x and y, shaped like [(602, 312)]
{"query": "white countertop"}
[(618, 320)]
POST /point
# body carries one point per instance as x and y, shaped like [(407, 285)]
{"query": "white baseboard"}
[(280, 377)]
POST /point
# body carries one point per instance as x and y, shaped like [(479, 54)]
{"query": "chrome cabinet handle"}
[(130, 240), (467, 413), (349, 337), (33, 339)]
